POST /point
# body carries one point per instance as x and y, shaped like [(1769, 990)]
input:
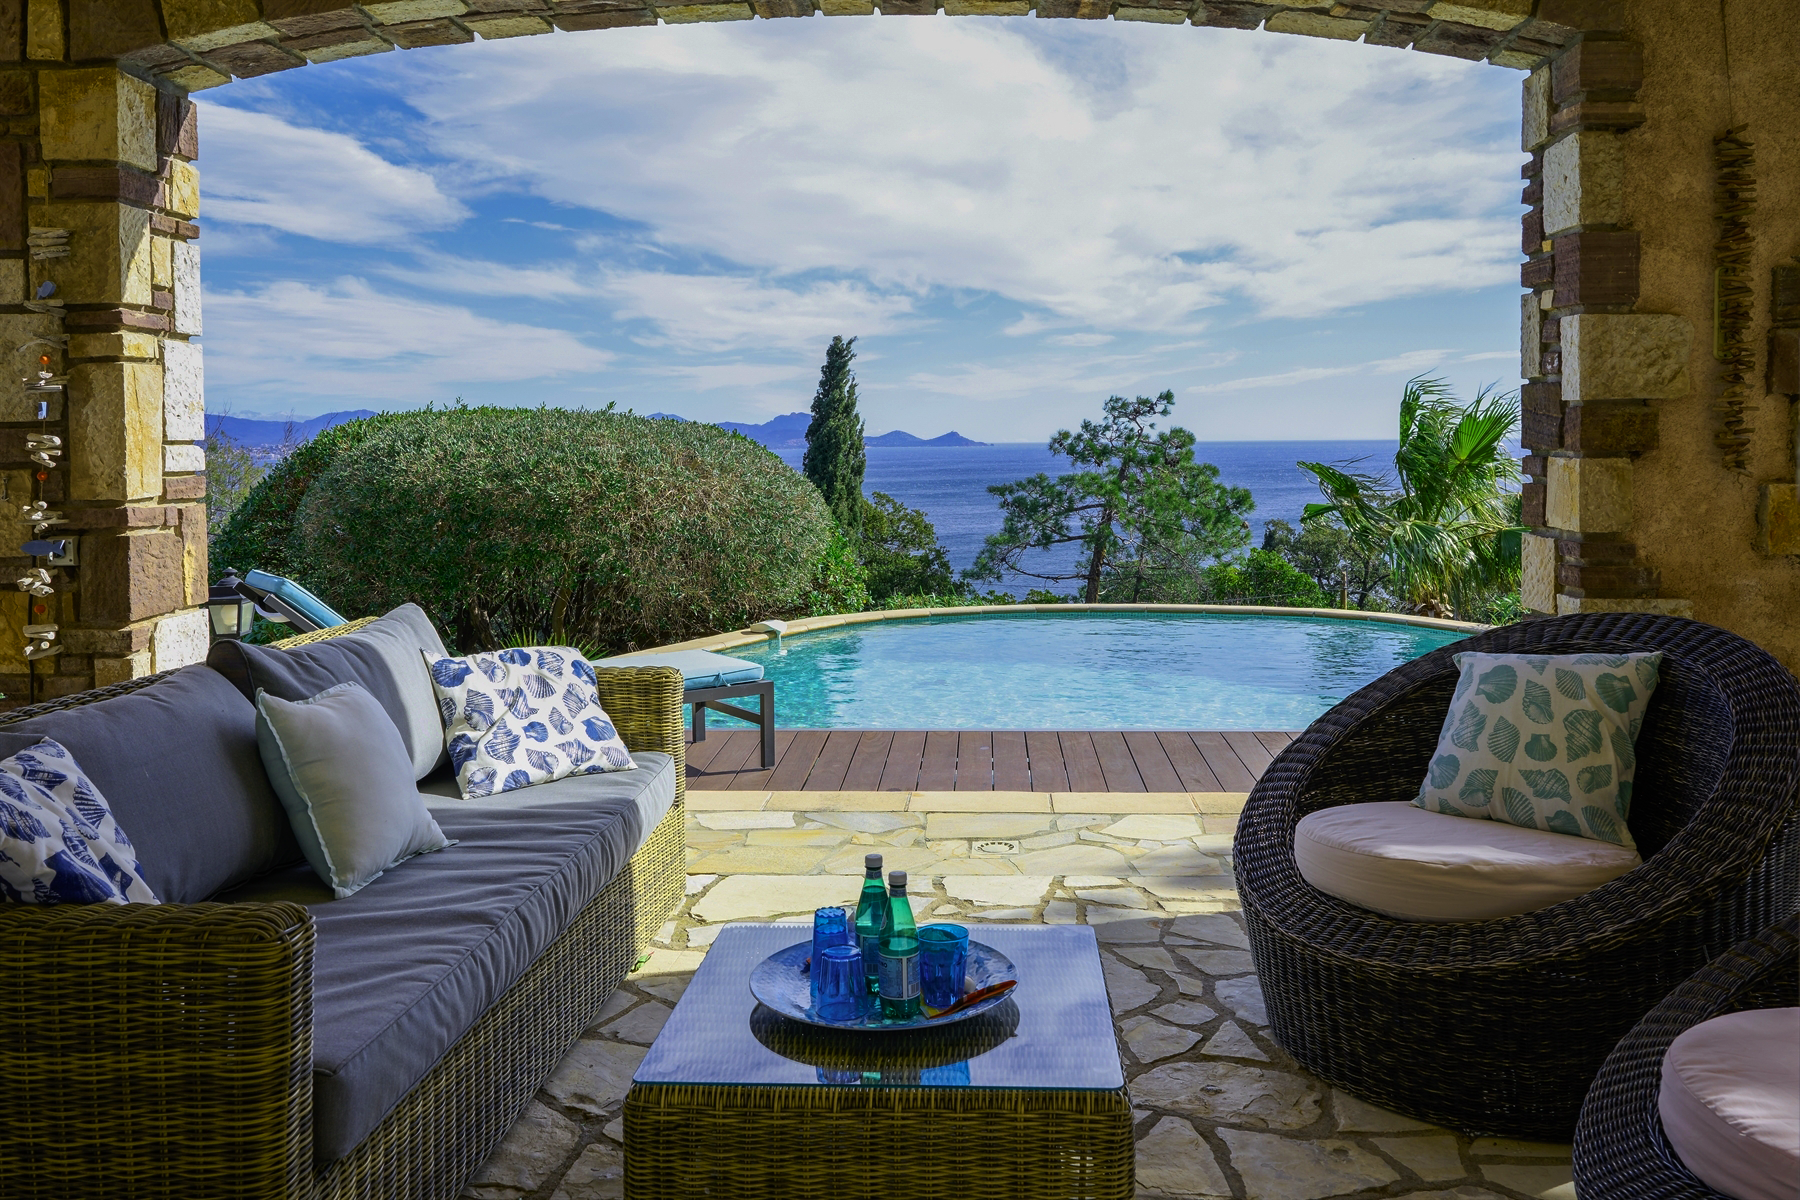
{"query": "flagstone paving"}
[(1222, 1111)]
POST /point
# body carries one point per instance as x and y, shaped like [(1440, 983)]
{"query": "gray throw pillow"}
[(345, 778)]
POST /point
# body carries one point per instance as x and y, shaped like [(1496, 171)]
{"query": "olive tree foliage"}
[(835, 459), (601, 528), (1144, 513)]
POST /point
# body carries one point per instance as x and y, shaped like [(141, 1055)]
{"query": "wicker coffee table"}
[(1024, 1101)]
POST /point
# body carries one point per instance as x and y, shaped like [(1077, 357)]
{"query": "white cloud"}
[(711, 377), (348, 339), (262, 170), (707, 313), (1081, 339), (1403, 365)]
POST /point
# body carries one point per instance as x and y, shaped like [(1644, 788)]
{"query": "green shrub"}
[(840, 582), (611, 530), (900, 548), (1261, 577)]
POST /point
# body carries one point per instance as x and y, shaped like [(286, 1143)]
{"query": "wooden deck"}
[(820, 760)]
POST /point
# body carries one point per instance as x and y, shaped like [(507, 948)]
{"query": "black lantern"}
[(231, 610)]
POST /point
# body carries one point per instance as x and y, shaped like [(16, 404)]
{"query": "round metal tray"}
[(782, 984)]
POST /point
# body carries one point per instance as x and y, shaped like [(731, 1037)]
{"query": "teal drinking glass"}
[(943, 964), (838, 975)]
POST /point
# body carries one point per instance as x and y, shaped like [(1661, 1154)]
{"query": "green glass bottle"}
[(899, 985), (871, 919)]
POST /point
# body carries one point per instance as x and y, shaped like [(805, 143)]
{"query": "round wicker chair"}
[(1497, 1027), (1620, 1150)]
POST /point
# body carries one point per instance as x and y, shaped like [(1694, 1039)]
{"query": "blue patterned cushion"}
[(59, 843), (522, 716)]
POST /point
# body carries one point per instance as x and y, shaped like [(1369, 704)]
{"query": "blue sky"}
[(1016, 217)]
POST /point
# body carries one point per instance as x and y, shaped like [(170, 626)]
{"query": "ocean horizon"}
[(949, 484)]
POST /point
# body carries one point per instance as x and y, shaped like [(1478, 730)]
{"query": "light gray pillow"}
[(346, 780)]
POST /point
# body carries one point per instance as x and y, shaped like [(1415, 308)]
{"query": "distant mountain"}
[(788, 431), (270, 433)]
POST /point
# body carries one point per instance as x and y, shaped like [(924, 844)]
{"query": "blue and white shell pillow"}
[(59, 843), (522, 716)]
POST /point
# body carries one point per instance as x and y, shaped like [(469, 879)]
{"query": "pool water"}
[(1081, 671)]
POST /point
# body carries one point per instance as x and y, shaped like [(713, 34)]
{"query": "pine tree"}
[(835, 460)]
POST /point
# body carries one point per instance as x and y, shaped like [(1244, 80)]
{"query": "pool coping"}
[(747, 637)]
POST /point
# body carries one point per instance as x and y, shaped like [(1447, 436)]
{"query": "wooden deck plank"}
[(975, 762), (1116, 763), (871, 755), (1080, 761), (735, 756), (1048, 774), (1153, 766), (1012, 764), (1274, 741), (1190, 765), (937, 771), (700, 755), (1255, 755), (901, 771), (791, 772), (833, 762), (752, 776), (1226, 766)]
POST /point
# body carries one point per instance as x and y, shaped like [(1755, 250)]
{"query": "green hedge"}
[(568, 525)]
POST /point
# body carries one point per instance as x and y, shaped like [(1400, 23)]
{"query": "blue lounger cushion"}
[(699, 668)]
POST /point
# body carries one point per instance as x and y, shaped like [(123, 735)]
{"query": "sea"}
[(949, 483)]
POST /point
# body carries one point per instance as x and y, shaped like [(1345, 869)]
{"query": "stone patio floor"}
[(1221, 1110)]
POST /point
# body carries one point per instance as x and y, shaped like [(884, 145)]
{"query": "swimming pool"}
[(1081, 670)]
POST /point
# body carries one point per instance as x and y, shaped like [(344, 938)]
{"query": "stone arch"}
[(1628, 503)]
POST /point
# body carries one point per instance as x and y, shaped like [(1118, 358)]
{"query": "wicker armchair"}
[(1498, 1027), (166, 1050), (1620, 1150)]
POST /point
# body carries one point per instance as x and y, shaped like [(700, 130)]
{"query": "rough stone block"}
[(1615, 115), (1598, 70), (496, 28), (305, 24), (203, 25), (194, 551), (1317, 25), (132, 575), (1537, 582), (196, 78), (1535, 465), (184, 487), (643, 16), (429, 33), (248, 60), (111, 28), (1625, 356), (115, 431), (1602, 429), (181, 640), (1458, 41), (1584, 182), (97, 113), (185, 258), (1607, 579), (44, 31), (1778, 519), (1225, 14), (12, 281), (331, 47), (1568, 605), (184, 391), (181, 193), (1531, 504), (1489, 14), (1589, 495), (397, 12), (1518, 58), (1531, 232), (162, 264), (1784, 361), (109, 252), (108, 671), (1538, 272), (1596, 267), (952, 8), (1161, 16), (1531, 346), (183, 458)]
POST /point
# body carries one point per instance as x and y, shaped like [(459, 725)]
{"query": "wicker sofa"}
[(181, 1050), (1498, 1027)]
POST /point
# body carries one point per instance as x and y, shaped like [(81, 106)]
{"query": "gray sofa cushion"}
[(406, 966), (382, 656), (178, 763)]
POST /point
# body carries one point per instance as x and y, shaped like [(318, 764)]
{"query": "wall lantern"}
[(231, 610)]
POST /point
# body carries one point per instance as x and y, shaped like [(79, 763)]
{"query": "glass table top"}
[(1054, 1032)]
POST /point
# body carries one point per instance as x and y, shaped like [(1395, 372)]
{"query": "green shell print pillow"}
[(1543, 741)]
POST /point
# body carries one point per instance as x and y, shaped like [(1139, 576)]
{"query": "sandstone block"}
[(331, 47), (12, 281), (1278, 1168), (1537, 583), (1784, 361), (1317, 25), (684, 14), (115, 431), (1598, 70), (125, 344), (1589, 495), (183, 458), (398, 11), (1218, 1091), (109, 671), (184, 487), (1596, 267), (133, 575), (184, 392), (181, 640), (196, 78), (195, 564), (21, 355), (1584, 182), (1488, 14), (442, 32), (1519, 60), (1162, 16), (202, 25), (1625, 356), (98, 113), (1565, 605), (495, 28), (109, 252), (1531, 345), (183, 195), (1778, 519), (44, 30), (186, 262), (1174, 1160)]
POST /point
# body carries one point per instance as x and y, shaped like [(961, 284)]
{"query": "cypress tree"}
[(835, 460)]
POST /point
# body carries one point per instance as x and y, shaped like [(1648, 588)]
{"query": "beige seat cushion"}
[(1730, 1103), (1405, 862)]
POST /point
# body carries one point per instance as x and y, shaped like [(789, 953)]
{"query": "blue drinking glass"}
[(838, 977), (831, 927), (943, 964)]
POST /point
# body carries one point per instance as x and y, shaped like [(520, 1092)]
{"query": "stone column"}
[(98, 194)]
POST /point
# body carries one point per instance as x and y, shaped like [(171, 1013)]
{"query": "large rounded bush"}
[(603, 529)]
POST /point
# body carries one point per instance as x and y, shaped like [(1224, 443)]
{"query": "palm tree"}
[(1446, 520)]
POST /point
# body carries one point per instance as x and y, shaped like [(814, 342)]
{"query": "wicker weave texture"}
[(1620, 1150), (852, 1143), (1453, 1023)]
